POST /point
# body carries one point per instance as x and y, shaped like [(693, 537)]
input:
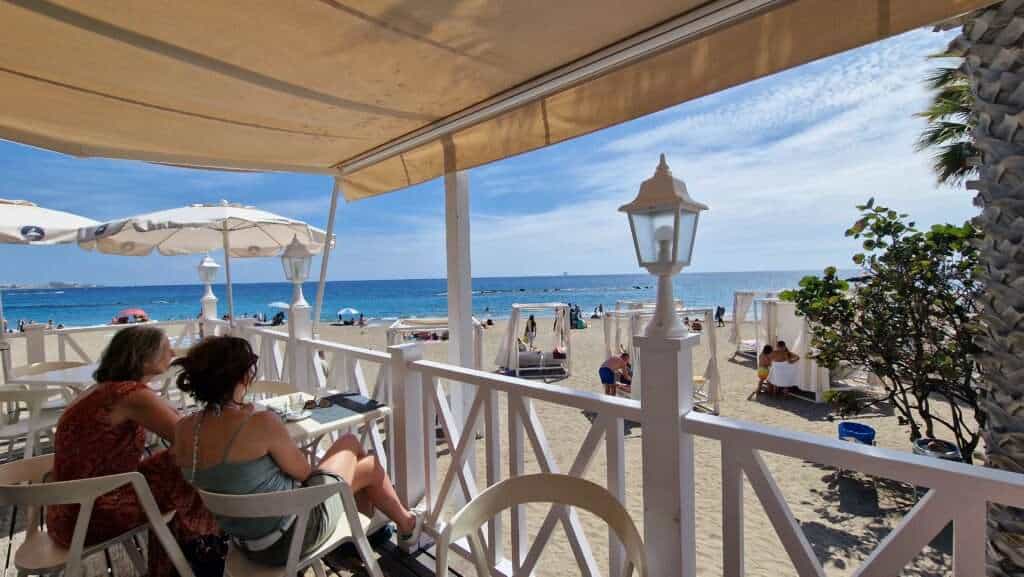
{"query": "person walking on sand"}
[(720, 316), (764, 365), (531, 331), (615, 369)]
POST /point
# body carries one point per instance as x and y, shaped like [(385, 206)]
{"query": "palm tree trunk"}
[(993, 45)]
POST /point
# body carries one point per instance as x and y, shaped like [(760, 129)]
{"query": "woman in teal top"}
[(230, 447)]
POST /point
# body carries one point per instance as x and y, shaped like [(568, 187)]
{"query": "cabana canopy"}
[(377, 91), (403, 327), (543, 363)]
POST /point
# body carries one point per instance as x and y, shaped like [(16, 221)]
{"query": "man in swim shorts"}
[(614, 369)]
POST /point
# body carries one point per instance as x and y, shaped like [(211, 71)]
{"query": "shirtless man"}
[(614, 369), (783, 355)]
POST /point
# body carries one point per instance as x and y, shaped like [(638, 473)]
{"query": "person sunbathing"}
[(615, 369)]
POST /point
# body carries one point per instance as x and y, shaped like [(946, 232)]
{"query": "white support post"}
[(35, 343), (407, 424), (460, 287), (668, 460), (300, 326)]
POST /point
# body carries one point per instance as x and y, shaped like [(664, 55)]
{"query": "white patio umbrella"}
[(241, 231), (279, 305), (23, 222)]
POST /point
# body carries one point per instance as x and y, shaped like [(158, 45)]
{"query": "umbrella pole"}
[(325, 256), (227, 276)]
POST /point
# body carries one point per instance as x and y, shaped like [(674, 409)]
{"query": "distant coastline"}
[(50, 285), (77, 305)]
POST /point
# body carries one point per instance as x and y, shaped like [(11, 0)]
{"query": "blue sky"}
[(781, 162)]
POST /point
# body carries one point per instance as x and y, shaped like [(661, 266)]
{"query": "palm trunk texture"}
[(992, 42)]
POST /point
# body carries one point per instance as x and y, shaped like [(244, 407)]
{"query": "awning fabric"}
[(313, 86)]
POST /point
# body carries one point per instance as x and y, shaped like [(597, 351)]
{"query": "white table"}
[(78, 378), (309, 431)]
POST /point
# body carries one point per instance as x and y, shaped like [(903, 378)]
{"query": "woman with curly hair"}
[(231, 447)]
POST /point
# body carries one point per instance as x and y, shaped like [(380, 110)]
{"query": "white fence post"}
[(668, 463), (299, 362), (35, 343), (407, 423)]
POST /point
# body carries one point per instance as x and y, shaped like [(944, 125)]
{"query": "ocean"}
[(383, 300)]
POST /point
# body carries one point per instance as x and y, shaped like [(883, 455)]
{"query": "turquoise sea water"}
[(492, 297)]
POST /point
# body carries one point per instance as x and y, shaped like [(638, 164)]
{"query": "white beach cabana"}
[(240, 231), (402, 329), (707, 383), (780, 321), (746, 316), (555, 361), (623, 322)]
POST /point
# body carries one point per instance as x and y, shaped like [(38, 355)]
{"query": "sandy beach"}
[(844, 515)]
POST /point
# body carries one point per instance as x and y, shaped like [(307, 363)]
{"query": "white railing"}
[(36, 340), (958, 493), (414, 388), (526, 432)]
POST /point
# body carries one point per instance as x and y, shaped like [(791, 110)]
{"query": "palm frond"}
[(942, 133), (942, 77), (954, 163)]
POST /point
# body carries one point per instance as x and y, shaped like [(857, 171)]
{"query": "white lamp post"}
[(208, 275), (663, 219), (296, 260)]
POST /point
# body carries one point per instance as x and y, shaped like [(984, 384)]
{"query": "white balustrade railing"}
[(36, 340), (414, 388), (526, 432), (957, 493)]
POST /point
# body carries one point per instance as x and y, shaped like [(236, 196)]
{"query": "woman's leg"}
[(365, 475)]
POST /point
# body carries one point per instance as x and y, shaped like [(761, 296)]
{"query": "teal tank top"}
[(261, 475)]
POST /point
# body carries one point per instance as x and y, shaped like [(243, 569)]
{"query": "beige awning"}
[(379, 88)]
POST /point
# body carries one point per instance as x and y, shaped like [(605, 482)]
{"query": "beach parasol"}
[(241, 231), (127, 314), (23, 222), (348, 312), (279, 305)]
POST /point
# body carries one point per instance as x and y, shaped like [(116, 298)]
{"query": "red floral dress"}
[(88, 445)]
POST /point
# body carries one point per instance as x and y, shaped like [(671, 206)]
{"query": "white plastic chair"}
[(353, 526), (32, 401), (541, 488), (22, 484)]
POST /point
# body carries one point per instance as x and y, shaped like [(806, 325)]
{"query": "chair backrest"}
[(296, 502), (23, 483), (557, 489), (12, 398), (262, 388), (44, 367)]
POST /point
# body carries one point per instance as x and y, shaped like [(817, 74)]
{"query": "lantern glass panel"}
[(687, 230), (650, 228)]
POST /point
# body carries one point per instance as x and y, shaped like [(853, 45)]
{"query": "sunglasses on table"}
[(316, 403)]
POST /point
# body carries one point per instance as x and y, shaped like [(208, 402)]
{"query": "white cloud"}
[(782, 164)]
